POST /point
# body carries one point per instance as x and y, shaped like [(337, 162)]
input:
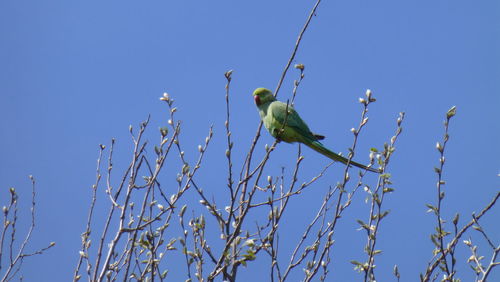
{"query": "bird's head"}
[(262, 96)]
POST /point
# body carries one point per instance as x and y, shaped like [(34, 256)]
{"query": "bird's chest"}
[(278, 131), (270, 124)]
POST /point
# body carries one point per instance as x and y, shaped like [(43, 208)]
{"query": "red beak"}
[(257, 100)]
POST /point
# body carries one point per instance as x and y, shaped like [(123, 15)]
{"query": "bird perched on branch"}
[(285, 124)]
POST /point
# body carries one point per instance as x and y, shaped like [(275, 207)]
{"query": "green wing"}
[(296, 130)]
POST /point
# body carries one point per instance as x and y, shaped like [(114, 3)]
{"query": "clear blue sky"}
[(75, 74)]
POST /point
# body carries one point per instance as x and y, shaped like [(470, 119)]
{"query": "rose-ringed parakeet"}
[(273, 115)]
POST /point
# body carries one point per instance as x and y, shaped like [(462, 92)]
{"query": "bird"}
[(290, 128)]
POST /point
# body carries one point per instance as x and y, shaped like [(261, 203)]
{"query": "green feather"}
[(275, 113), (318, 147)]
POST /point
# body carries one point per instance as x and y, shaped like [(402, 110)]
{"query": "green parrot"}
[(273, 115)]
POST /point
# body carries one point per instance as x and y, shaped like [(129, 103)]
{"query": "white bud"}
[(250, 242), (439, 147), (368, 93), (165, 97)]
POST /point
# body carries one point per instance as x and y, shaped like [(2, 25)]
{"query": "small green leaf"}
[(388, 190), (451, 112)]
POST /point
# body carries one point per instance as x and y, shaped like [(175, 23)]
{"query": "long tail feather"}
[(318, 147)]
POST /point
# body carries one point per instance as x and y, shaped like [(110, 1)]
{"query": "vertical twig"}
[(84, 251), (16, 259)]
